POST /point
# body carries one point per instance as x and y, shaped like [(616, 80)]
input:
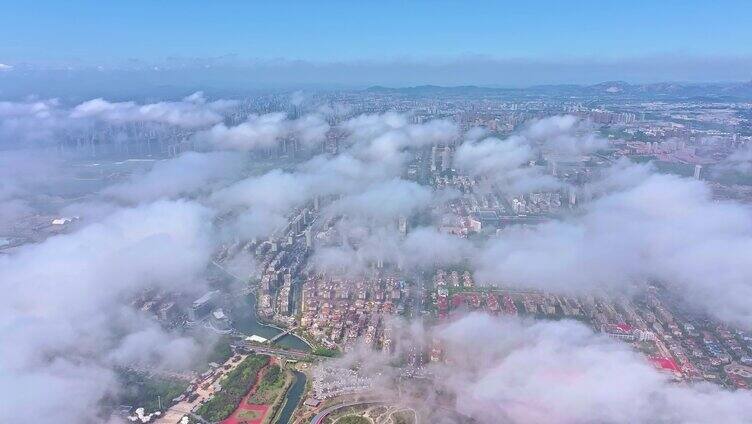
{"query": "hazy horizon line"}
[(465, 70)]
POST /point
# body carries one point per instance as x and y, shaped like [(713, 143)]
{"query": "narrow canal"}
[(294, 395)]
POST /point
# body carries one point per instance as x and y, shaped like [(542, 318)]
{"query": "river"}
[(293, 398), (246, 321)]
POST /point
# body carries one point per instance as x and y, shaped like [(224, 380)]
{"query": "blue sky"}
[(356, 30), (71, 32)]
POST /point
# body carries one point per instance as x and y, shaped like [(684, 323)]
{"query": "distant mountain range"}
[(667, 90)]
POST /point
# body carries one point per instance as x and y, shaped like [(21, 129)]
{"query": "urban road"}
[(282, 353)]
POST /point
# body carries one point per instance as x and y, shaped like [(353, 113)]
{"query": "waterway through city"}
[(293, 398), (246, 321)]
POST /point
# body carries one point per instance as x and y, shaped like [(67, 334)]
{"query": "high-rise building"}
[(203, 305), (446, 159)]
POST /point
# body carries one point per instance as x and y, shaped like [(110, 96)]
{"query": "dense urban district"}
[(284, 322)]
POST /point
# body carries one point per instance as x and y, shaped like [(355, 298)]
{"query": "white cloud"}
[(65, 316), (560, 372), (187, 174), (509, 370), (264, 131), (650, 227), (193, 112)]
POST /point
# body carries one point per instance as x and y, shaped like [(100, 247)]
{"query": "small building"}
[(256, 339), (312, 402)]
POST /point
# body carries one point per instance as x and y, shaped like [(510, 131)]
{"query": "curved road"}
[(319, 418)]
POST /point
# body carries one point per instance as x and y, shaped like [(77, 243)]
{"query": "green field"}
[(322, 351), (143, 391), (247, 415), (269, 387), (234, 386)]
